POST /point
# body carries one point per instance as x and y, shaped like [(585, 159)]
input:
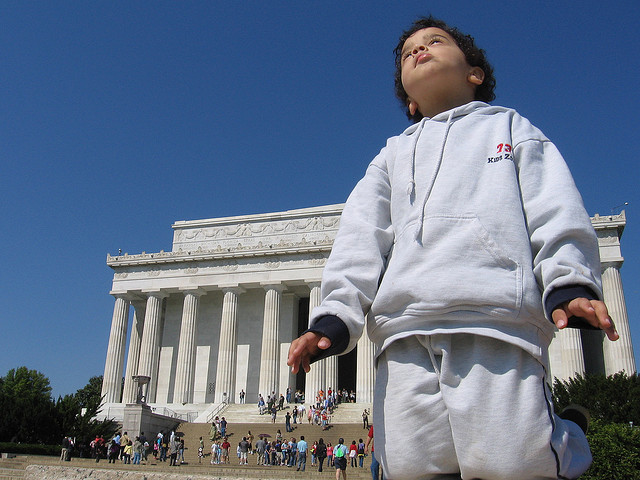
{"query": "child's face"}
[(435, 73)]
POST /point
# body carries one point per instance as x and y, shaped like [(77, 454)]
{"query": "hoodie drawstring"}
[(434, 175), (411, 186)]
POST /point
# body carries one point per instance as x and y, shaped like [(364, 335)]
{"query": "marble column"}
[(130, 390), (228, 346), (365, 371), (270, 354), (572, 354), (555, 360), (618, 355), (150, 347), (112, 379), (316, 377), (330, 373), (186, 362)]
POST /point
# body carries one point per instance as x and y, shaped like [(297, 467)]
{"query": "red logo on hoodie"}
[(503, 152)]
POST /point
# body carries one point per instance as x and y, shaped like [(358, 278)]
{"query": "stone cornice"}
[(610, 221), (219, 253), (288, 215)]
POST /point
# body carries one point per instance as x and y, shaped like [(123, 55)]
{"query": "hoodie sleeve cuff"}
[(565, 294), (335, 330)]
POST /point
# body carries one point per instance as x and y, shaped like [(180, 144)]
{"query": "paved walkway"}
[(48, 468)]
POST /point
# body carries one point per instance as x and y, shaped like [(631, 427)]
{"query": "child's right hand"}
[(593, 311), (305, 347)]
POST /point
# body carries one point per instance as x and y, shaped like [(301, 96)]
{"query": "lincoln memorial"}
[(217, 313)]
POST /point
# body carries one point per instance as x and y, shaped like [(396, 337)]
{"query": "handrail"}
[(167, 412), (217, 410)]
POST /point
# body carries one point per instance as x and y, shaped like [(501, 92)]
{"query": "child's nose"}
[(418, 48)]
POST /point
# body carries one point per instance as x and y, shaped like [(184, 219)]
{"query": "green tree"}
[(67, 412), (612, 399), (90, 396), (28, 412)]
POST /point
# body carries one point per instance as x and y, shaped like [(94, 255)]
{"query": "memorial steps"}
[(12, 468), (248, 413)]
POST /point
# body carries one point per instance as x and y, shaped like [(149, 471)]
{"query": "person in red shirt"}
[(375, 466), (225, 450), (353, 454)]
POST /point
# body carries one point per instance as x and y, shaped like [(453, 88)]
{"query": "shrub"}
[(616, 452), (29, 449)]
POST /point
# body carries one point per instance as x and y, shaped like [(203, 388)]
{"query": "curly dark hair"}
[(475, 56)]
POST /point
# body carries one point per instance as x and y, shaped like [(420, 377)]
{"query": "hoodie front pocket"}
[(457, 266)]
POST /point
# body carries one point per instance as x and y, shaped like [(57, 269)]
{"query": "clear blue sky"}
[(120, 117)]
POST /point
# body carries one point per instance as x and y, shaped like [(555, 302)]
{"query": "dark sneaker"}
[(578, 415)]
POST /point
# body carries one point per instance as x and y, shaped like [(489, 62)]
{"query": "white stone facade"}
[(216, 314)]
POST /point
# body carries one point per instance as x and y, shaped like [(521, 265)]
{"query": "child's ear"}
[(476, 76), (413, 107)]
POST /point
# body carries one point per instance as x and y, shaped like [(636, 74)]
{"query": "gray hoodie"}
[(466, 222)]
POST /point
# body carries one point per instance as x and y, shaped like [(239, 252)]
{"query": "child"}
[(463, 245), (214, 453), (127, 452)]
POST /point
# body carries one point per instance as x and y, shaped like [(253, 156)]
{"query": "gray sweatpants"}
[(465, 406)]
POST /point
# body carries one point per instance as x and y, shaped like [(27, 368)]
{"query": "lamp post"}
[(613, 210)]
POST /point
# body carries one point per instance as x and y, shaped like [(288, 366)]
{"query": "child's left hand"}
[(593, 311)]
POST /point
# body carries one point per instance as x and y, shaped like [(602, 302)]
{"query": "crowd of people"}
[(318, 413), (291, 452), (267, 451), (122, 448), (275, 402)]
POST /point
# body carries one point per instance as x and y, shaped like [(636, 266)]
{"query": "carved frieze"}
[(608, 237), (258, 229), (272, 264), (317, 259), (256, 232)]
